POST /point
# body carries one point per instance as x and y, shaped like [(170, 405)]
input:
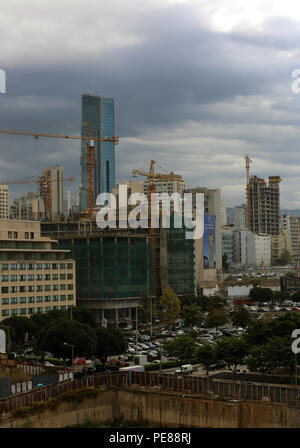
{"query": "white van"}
[(186, 368)]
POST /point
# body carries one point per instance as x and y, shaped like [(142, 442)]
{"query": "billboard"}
[(209, 242)]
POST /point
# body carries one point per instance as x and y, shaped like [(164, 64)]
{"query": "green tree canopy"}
[(261, 294), (206, 355), (192, 315), (241, 317), (19, 327), (216, 318), (182, 347), (110, 341), (52, 338), (232, 350)]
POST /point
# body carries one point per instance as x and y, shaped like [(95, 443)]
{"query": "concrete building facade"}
[(264, 205), (291, 224), (35, 276), (4, 201)]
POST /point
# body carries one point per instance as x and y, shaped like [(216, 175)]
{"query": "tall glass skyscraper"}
[(99, 111)]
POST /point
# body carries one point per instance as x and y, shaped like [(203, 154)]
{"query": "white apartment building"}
[(4, 202), (251, 249)]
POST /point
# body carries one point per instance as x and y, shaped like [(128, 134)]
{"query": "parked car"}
[(48, 364), (79, 361)]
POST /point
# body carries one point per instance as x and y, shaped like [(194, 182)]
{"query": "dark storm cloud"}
[(184, 93)]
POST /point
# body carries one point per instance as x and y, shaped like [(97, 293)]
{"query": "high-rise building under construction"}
[(99, 112), (264, 205)]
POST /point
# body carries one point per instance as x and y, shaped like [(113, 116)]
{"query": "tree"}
[(182, 347), (169, 307), (52, 338), (83, 315), (192, 315), (241, 317), (110, 341), (19, 327), (284, 259), (261, 294), (216, 318), (276, 352), (232, 351), (206, 355), (147, 307)]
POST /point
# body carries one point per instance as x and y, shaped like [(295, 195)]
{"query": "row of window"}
[(30, 277), (24, 311), (15, 235), (31, 288), (32, 266), (38, 299)]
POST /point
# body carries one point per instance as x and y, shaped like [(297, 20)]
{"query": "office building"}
[(36, 276), (99, 112), (4, 202), (240, 217), (291, 224), (29, 207)]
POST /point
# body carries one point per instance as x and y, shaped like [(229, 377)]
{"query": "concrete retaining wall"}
[(165, 409)]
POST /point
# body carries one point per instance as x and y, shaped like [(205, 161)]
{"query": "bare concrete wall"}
[(166, 409)]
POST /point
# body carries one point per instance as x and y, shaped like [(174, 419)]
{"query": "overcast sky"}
[(197, 84)]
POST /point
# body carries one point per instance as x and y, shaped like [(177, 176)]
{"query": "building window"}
[(70, 276), (22, 288), (30, 277), (22, 266), (62, 276), (13, 267), (14, 312), (39, 288), (70, 287), (46, 276), (30, 310), (4, 289), (39, 266), (31, 288), (56, 307), (14, 301), (70, 266), (62, 298), (39, 276), (39, 309), (54, 276), (54, 287), (32, 235), (22, 278), (62, 287), (54, 266), (70, 296), (31, 266), (13, 278), (31, 299), (9, 235), (22, 311), (54, 298), (39, 299), (62, 266), (47, 299), (26, 235), (4, 267), (13, 289), (22, 300), (47, 308), (4, 278), (47, 266), (47, 288), (63, 307), (5, 312), (5, 301)]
